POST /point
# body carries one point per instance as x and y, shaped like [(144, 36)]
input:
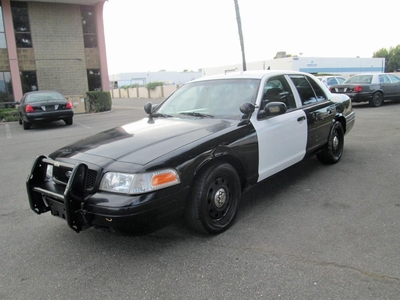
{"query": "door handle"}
[(301, 119)]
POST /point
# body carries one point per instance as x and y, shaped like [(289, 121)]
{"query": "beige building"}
[(52, 44)]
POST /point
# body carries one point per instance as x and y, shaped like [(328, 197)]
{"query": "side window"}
[(384, 79), (277, 89), (309, 91), (332, 81), (394, 78), (340, 79), (317, 90)]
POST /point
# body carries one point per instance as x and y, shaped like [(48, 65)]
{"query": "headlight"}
[(49, 171), (139, 183)]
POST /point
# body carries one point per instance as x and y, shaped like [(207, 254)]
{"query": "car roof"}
[(367, 74), (256, 74), (41, 91), (326, 76)]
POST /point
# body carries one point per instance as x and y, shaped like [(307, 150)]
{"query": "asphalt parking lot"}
[(309, 232)]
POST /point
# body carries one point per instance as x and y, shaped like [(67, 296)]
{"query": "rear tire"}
[(26, 125), (68, 121), (377, 100), (214, 199), (333, 150), (19, 120)]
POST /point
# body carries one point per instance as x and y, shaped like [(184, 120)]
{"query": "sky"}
[(178, 35)]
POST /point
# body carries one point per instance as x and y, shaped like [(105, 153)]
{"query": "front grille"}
[(61, 174)]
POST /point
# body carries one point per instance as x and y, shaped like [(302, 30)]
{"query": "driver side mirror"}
[(247, 108), (148, 108)]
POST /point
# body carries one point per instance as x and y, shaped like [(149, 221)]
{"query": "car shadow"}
[(48, 126), (363, 105), (252, 201)]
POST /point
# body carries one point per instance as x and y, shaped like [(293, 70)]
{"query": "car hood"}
[(142, 141)]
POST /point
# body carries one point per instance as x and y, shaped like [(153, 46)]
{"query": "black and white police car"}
[(194, 154)]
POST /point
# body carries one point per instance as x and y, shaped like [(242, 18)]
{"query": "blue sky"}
[(174, 35)]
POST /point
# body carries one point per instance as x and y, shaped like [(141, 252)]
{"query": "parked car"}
[(331, 80), (194, 154), (44, 106), (370, 87)]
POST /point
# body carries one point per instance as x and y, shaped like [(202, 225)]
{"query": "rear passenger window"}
[(309, 91), (384, 79)]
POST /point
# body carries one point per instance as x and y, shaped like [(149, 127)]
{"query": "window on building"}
[(94, 80), (6, 92), (28, 81), (89, 26), (3, 44), (22, 29)]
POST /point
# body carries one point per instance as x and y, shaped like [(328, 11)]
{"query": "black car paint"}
[(44, 110), (320, 118), (139, 152), (366, 94)]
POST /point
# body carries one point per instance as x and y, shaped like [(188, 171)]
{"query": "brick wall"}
[(57, 39)]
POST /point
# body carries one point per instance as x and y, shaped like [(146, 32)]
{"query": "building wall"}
[(57, 39), (341, 66), (26, 59), (4, 63)]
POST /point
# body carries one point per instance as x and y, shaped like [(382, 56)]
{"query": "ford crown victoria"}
[(194, 154), (374, 88)]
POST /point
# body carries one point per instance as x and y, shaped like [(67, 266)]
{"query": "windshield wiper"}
[(196, 114), (160, 115)]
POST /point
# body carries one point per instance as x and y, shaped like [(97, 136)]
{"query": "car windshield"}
[(359, 79), (45, 96), (211, 99)]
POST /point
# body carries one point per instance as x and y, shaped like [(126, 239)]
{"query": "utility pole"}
[(239, 22)]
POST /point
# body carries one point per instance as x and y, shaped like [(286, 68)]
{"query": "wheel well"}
[(234, 162), (342, 121)]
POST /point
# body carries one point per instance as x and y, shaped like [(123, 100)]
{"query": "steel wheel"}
[(333, 150), (377, 100), (214, 199)]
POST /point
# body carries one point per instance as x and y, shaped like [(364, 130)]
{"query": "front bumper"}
[(82, 207)]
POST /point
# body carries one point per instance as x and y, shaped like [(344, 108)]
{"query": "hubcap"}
[(220, 198), (335, 142)]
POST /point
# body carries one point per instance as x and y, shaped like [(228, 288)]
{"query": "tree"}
[(391, 56), (239, 22), (393, 64), (382, 53)]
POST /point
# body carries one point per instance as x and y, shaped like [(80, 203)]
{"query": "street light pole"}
[(239, 22)]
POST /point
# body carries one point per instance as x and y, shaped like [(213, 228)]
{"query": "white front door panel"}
[(282, 142)]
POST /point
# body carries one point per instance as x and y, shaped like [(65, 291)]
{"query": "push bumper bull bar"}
[(68, 203)]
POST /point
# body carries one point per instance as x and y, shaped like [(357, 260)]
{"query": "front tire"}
[(214, 199), (377, 100), (333, 150)]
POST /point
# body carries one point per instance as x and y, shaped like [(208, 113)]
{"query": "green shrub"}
[(98, 101), (128, 86), (153, 85), (8, 115)]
